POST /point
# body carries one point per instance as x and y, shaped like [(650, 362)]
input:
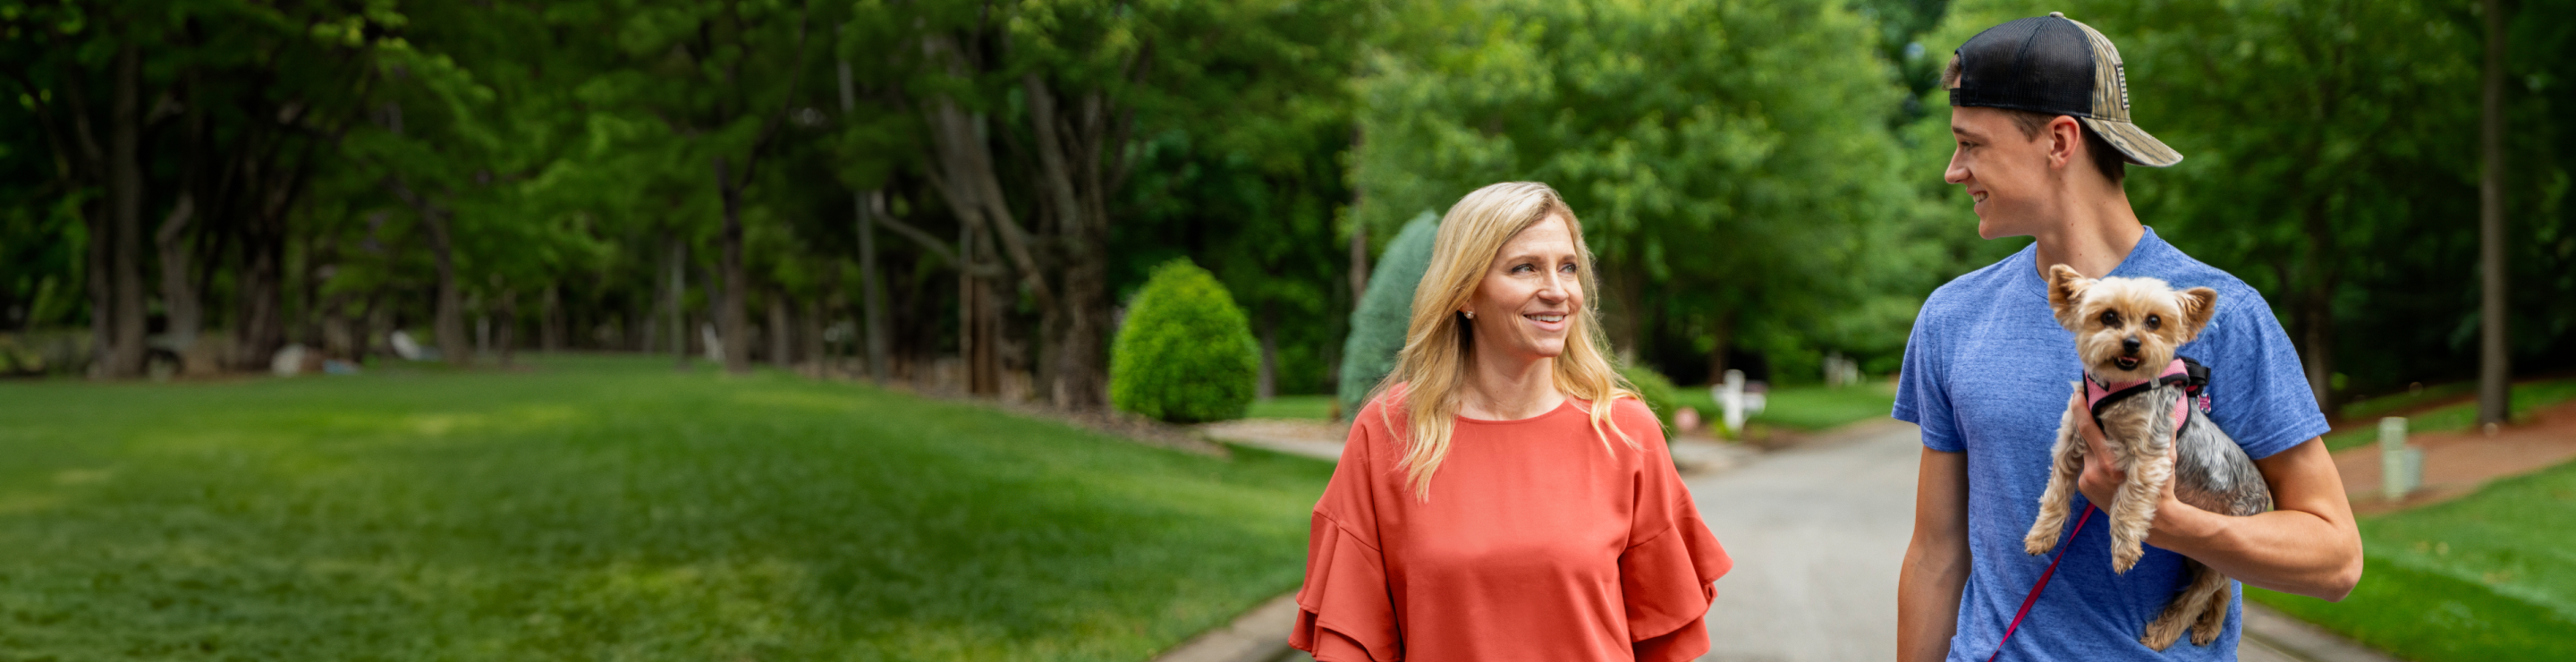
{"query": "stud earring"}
[(1470, 314)]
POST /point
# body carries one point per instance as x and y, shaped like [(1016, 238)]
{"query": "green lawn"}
[(2460, 416), (2488, 577), (1317, 407), (1806, 408), (604, 508)]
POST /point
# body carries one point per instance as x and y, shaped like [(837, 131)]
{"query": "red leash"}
[(2043, 583)]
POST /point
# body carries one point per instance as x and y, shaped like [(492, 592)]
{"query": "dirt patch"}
[(2456, 463)]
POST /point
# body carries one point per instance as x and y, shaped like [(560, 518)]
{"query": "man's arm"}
[(1936, 562), (2309, 544)]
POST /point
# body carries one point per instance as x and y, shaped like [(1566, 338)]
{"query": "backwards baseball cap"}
[(2053, 64)]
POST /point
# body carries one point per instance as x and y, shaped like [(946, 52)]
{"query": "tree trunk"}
[(125, 198), (550, 332), (507, 344), (872, 290), (179, 300), (1078, 166), (448, 322), (781, 355), (102, 287), (2495, 369), (810, 330), (730, 316), (1722, 345), (258, 324), (679, 302)]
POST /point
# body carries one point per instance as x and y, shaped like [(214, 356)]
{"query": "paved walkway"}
[(1817, 532)]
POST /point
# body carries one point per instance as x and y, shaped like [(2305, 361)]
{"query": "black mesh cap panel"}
[(2042, 64)]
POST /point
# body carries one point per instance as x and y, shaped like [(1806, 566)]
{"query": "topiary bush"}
[(1659, 393), (1378, 324), (1185, 353)]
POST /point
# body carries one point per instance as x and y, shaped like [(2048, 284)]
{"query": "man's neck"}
[(2092, 233)]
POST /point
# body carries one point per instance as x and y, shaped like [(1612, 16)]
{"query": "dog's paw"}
[(2125, 557), (2204, 634), (2161, 635), (2039, 542)]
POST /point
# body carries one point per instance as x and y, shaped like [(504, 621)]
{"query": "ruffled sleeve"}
[(1672, 559), (1346, 610)]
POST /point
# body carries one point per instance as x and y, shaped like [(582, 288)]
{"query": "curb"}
[(1260, 635), (2296, 639)]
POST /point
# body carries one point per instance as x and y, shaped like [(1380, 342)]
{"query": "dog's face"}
[(2127, 329)]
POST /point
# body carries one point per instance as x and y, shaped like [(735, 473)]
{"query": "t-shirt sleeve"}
[(2258, 389), (1920, 399), (1345, 610)]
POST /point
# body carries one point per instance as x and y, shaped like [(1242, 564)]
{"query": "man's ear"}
[(2199, 304), (2065, 289), (2065, 138)]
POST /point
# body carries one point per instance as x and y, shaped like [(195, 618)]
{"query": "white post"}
[(1730, 401), (2401, 469)]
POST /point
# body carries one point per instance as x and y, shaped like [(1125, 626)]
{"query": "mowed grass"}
[(2488, 577), (602, 508), (2527, 396), (1312, 407), (1806, 408)]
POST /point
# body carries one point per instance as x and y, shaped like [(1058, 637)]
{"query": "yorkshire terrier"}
[(2126, 331)]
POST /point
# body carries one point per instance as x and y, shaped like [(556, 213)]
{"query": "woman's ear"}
[(2199, 304), (2065, 290)]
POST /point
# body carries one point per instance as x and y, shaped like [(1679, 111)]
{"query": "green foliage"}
[(1725, 157), (613, 508), (2331, 162), (1658, 392), (1314, 407), (2486, 577), (1379, 322), (1185, 353)]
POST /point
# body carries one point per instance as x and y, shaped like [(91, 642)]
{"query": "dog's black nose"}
[(2130, 343)]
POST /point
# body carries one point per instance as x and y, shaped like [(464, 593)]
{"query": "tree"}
[(1711, 149), (2495, 370), (2298, 185), (1380, 320)]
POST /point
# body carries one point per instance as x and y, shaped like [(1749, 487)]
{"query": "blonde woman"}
[(1504, 495)]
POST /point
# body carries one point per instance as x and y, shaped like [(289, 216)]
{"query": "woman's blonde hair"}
[(1434, 363)]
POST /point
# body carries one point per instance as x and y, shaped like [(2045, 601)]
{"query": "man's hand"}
[(2103, 474), (2308, 545)]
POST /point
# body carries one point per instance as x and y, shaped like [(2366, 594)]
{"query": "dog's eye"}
[(2110, 318), (2154, 321)]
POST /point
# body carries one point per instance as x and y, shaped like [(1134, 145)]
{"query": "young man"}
[(2041, 115)]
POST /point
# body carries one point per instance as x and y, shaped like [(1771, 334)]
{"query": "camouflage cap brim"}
[(2133, 142)]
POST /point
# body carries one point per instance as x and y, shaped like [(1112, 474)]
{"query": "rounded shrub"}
[(1185, 353), (1659, 393), (1379, 322)]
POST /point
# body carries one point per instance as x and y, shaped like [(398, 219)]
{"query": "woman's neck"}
[(1508, 388)]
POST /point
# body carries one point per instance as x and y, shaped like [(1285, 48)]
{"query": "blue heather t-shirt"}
[(1988, 372)]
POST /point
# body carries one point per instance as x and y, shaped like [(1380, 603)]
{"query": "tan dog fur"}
[(2103, 314)]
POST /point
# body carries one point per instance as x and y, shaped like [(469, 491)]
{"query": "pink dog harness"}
[(2189, 374)]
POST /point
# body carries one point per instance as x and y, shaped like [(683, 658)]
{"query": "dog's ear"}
[(2199, 304), (2065, 288)]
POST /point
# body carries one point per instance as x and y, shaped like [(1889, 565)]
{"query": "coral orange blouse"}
[(1536, 544)]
